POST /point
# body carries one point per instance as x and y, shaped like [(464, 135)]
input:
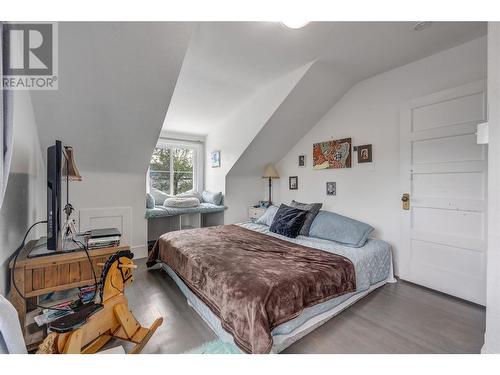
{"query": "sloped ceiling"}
[(304, 106), (116, 81), (228, 62)]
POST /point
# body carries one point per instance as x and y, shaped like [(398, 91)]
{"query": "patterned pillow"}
[(288, 221)]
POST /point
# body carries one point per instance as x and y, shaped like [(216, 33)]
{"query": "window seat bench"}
[(167, 219), (161, 211)]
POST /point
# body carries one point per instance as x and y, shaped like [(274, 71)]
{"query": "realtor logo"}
[(30, 61)]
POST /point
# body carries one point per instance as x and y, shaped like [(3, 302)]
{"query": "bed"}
[(372, 266)]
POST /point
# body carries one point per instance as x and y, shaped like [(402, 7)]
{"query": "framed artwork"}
[(293, 182), (302, 160), (331, 188), (364, 153), (332, 154), (215, 159)]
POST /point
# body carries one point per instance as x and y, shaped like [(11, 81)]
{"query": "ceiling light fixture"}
[(422, 25), (294, 24)]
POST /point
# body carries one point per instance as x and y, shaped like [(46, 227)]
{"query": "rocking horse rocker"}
[(94, 324)]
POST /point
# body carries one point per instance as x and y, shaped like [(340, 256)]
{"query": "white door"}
[(443, 170)]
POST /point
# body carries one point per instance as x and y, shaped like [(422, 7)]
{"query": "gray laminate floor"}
[(397, 318)]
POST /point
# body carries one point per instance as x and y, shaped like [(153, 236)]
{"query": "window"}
[(173, 168)]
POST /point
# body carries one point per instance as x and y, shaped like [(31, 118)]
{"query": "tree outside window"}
[(171, 169)]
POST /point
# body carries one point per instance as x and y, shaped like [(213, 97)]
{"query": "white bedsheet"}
[(373, 267)]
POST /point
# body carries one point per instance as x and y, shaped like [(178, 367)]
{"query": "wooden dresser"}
[(41, 275)]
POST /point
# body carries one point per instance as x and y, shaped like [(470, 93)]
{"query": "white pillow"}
[(159, 196), (181, 202), (268, 217), (190, 194)]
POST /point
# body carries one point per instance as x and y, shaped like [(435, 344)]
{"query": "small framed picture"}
[(215, 159), (293, 182), (364, 153), (331, 188), (302, 160)]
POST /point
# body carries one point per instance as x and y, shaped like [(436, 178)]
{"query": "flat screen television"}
[(53, 243), (54, 171)]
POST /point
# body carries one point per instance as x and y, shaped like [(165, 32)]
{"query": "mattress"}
[(373, 267)]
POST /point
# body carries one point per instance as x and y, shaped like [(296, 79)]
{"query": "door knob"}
[(406, 201)]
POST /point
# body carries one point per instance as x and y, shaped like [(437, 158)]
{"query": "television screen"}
[(54, 170)]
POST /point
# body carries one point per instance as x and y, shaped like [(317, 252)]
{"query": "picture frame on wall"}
[(302, 161), (215, 159), (364, 153), (331, 188), (293, 182), (332, 154)]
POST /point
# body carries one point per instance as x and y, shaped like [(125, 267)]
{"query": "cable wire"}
[(18, 250)]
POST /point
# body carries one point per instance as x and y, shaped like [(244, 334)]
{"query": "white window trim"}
[(198, 162)]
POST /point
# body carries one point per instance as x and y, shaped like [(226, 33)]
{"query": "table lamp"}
[(270, 173), (70, 172)]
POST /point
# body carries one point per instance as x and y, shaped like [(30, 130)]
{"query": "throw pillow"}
[(312, 210), (150, 201), (288, 221), (213, 198), (268, 216)]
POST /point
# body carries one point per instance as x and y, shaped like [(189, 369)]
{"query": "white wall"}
[(234, 136), (114, 190), (369, 113), (116, 80), (25, 200), (290, 121), (492, 334)]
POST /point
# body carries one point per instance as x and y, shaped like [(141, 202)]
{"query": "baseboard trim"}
[(140, 251), (489, 349), (484, 350)]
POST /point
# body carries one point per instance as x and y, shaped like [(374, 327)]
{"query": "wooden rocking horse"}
[(90, 327)]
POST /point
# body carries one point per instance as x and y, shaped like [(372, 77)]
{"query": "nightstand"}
[(255, 212)]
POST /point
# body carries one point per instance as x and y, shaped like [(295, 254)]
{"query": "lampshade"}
[(69, 167), (271, 172)]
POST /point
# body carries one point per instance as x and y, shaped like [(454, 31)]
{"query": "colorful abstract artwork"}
[(332, 154)]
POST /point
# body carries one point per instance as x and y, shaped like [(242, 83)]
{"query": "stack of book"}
[(99, 238), (86, 293), (49, 315)]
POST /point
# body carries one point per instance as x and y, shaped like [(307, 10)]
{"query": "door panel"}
[(444, 171), (447, 149), (449, 185), (446, 113), (451, 222)]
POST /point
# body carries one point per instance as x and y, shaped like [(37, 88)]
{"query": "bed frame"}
[(280, 342)]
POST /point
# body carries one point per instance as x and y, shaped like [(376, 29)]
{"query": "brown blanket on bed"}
[(252, 281)]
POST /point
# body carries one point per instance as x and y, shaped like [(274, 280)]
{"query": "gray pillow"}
[(150, 201), (312, 210), (341, 229), (268, 216), (214, 198), (159, 196)]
